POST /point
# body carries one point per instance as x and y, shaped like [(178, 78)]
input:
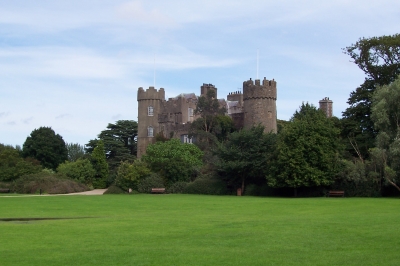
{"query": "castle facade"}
[(256, 104)]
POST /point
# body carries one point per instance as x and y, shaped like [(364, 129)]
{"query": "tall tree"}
[(99, 162), (75, 151), (386, 117), (46, 146), (212, 123), (119, 142), (307, 151), (245, 155), (379, 58)]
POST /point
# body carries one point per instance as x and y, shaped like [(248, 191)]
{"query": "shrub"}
[(207, 186), (47, 183), (129, 174), (177, 188), (154, 180), (113, 189)]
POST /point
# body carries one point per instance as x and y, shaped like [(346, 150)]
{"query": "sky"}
[(76, 66)]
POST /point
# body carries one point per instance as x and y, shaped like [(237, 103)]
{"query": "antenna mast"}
[(154, 70), (257, 62)]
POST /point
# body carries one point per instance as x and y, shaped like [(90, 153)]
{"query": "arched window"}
[(150, 111), (150, 131)]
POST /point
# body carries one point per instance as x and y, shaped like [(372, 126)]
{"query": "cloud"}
[(135, 12), (116, 117), (62, 116), (27, 120), (3, 114), (11, 123)]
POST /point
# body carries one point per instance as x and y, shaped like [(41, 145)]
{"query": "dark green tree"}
[(119, 142), (308, 151), (379, 58), (100, 165), (13, 166), (46, 146), (245, 156), (173, 160)]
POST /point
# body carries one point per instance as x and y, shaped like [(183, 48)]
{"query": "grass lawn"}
[(199, 230)]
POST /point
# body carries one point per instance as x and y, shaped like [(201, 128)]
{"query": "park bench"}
[(4, 190), (158, 190), (335, 193)]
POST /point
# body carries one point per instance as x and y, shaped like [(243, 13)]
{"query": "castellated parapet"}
[(260, 104)]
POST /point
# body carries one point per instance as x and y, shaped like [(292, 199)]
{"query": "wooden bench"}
[(335, 193), (4, 190), (158, 190)]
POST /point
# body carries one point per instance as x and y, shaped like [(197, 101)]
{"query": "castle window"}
[(190, 114), (150, 132), (269, 114), (186, 139), (150, 111)]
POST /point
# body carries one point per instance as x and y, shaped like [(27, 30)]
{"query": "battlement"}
[(235, 96), (151, 94), (206, 87), (253, 90)]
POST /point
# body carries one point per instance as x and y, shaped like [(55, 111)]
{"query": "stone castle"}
[(256, 104)]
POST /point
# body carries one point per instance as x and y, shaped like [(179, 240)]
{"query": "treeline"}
[(311, 154)]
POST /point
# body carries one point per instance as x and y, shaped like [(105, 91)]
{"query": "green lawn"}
[(199, 230)]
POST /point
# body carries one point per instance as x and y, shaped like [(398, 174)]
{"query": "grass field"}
[(199, 230)]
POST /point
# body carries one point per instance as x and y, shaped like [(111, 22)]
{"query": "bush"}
[(47, 183), (113, 189), (259, 190), (154, 180), (207, 186), (177, 188)]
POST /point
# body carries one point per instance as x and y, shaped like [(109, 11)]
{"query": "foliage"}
[(207, 186), (379, 58), (153, 181), (75, 151), (212, 123), (177, 188), (120, 143), (100, 165), (173, 160), (246, 155), (46, 146), (386, 117), (129, 174), (307, 151), (13, 166), (47, 183), (80, 170)]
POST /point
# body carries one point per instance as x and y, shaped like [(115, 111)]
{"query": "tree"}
[(210, 125), (75, 151), (307, 151), (386, 118), (379, 58), (80, 170), (46, 146), (173, 160), (129, 174), (13, 166), (98, 160), (245, 155), (119, 142)]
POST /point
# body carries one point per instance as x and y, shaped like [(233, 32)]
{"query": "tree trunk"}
[(242, 185), (295, 192)]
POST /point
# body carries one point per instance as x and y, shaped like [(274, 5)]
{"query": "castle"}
[(256, 104)]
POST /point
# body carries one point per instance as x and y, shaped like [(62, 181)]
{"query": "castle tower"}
[(206, 87), (149, 107), (260, 104), (326, 105)]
